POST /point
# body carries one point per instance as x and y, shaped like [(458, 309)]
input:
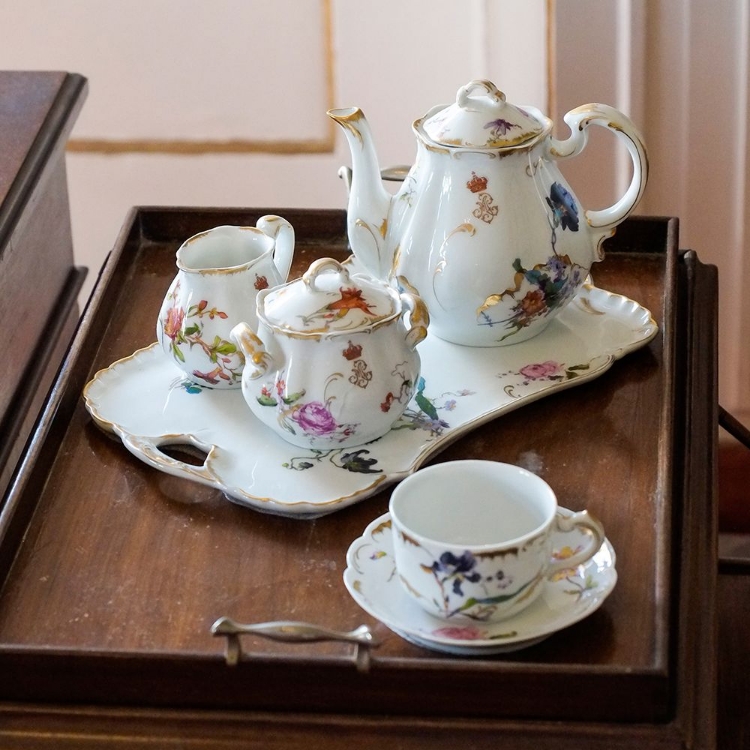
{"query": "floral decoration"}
[(426, 416), (539, 372), (564, 208), (470, 633), (350, 299), (186, 327), (452, 572), (313, 418), (547, 286), (357, 461), (360, 461), (500, 127)]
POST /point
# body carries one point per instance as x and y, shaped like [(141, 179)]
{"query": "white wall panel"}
[(172, 70), (222, 102)]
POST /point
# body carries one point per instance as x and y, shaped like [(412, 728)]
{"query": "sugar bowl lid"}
[(327, 300), (481, 118)]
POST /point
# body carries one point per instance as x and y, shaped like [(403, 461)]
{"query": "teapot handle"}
[(578, 120), (282, 233)]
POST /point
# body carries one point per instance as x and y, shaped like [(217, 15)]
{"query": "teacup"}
[(472, 539)]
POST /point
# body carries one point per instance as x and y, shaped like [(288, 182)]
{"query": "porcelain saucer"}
[(569, 597)]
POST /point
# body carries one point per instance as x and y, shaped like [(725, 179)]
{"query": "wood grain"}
[(117, 572)]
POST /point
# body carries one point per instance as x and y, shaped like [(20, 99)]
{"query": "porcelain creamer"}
[(220, 274)]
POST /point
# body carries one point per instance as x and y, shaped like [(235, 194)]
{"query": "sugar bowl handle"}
[(319, 266), (419, 318), (257, 360)]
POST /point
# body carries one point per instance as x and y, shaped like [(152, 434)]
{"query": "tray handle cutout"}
[(149, 449), (294, 632)]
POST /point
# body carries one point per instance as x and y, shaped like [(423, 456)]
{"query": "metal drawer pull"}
[(293, 632)]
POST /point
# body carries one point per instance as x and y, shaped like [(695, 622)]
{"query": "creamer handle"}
[(578, 120), (282, 233), (319, 266)]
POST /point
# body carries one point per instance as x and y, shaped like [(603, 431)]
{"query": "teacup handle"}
[(282, 234), (576, 521)]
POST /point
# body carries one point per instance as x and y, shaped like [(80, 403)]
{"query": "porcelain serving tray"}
[(147, 403)]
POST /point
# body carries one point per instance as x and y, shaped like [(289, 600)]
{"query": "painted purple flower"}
[(500, 126), (557, 267), (315, 418), (540, 370)]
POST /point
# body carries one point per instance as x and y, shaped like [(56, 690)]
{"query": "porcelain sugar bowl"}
[(485, 227), (333, 362)]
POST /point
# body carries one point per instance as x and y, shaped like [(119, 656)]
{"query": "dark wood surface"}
[(38, 283), (118, 571)]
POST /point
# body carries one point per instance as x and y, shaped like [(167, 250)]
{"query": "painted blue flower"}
[(563, 207), (460, 568)]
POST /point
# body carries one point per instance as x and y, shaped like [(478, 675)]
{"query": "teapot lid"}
[(482, 118), (327, 299)]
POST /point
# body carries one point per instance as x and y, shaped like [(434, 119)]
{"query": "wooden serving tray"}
[(114, 573)]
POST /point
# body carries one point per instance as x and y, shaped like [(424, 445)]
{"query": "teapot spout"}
[(369, 203)]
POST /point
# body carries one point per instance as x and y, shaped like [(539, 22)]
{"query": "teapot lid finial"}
[(482, 118)]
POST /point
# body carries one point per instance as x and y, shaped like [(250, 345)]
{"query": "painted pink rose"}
[(540, 370), (458, 633), (315, 418)]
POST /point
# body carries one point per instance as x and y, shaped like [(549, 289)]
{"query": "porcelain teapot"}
[(484, 227), (332, 363)]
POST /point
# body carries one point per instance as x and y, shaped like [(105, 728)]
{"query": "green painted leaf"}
[(227, 347), (293, 397), (267, 401)]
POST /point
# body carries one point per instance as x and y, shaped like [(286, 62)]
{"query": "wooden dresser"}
[(38, 280)]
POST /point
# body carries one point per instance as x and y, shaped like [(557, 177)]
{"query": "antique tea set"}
[(467, 295)]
